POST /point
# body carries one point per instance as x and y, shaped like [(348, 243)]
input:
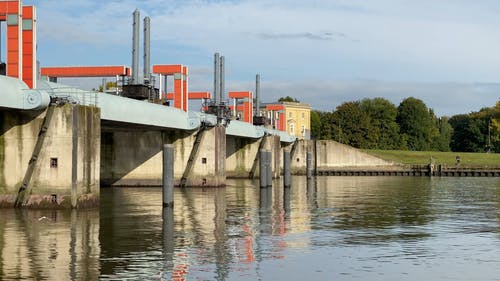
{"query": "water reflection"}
[(49, 245), (370, 228)]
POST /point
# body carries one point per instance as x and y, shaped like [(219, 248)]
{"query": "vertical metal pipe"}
[(160, 87), (38, 69), (287, 175), (309, 165), (117, 78), (222, 79), (269, 173), (135, 48), (217, 78), (262, 168), (104, 85), (168, 175), (147, 50), (234, 108), (257, 95), (165, 87)]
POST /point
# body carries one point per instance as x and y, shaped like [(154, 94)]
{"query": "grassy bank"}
[(479, 160)]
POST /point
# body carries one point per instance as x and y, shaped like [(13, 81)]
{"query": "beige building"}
[(291, 117)]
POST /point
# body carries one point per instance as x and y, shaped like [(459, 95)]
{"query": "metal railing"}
[(76, 96)]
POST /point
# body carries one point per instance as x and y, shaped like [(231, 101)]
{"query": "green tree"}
[(416, 124), (315, 124), (383, 123), (109, 85), (327, 126), (487, 117), (288, 99), (467, 135), (442, 140), (352, 126)]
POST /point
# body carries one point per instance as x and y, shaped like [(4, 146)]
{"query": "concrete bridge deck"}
[(123, 110)]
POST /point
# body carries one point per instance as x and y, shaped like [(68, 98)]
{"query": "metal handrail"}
[(76, 96)]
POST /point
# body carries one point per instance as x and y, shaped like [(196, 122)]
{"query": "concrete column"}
[(262, 168), (309, 164), (168, 175), (286, 169), (286, 201), (269, 168), (168, 238)]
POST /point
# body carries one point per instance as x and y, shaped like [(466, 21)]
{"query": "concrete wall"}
[(242, 157), (72, 139), (328, 155), (133, 157), (241, 154), (209, 164)]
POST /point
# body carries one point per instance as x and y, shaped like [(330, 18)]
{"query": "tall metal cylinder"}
[(262, 168), (222, 79), (269, 167), (147, 51), (309, 165), (135, 48), (168, 175), (257, 95), (287, 175), (217, 78)]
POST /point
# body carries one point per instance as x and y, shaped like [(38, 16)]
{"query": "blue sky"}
[(320, 52)]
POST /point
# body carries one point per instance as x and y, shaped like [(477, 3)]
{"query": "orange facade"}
[(192, 95), (246, 107), (10, 11), (29, 46), (180, 73), (279, 122), (85, 71)]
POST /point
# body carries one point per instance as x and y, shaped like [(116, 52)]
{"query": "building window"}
[(53, 162), (303, 131), (290, 115), (204, 160), (292, 130), (303, 115)]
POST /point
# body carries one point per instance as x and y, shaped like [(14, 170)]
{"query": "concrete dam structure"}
[(59, 144), (58, 148)]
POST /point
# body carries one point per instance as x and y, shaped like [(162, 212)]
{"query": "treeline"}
[(379, 124)]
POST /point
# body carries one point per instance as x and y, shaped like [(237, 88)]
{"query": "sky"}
[(321, 52)]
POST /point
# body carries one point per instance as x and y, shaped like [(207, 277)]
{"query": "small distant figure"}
[(457, 160)]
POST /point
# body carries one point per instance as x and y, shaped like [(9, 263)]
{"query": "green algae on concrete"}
[(2, 158)]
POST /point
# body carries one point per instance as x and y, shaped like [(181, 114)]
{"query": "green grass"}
[(480, 160)]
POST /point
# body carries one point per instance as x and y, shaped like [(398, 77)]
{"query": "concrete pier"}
[(199, 156), (168, 175), (65, 172)]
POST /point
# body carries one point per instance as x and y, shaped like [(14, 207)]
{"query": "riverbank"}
[(466, 159)]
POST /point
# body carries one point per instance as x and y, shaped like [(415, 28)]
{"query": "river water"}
[(331, 228)]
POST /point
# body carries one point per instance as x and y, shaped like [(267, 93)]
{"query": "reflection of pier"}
[(49, 245)]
